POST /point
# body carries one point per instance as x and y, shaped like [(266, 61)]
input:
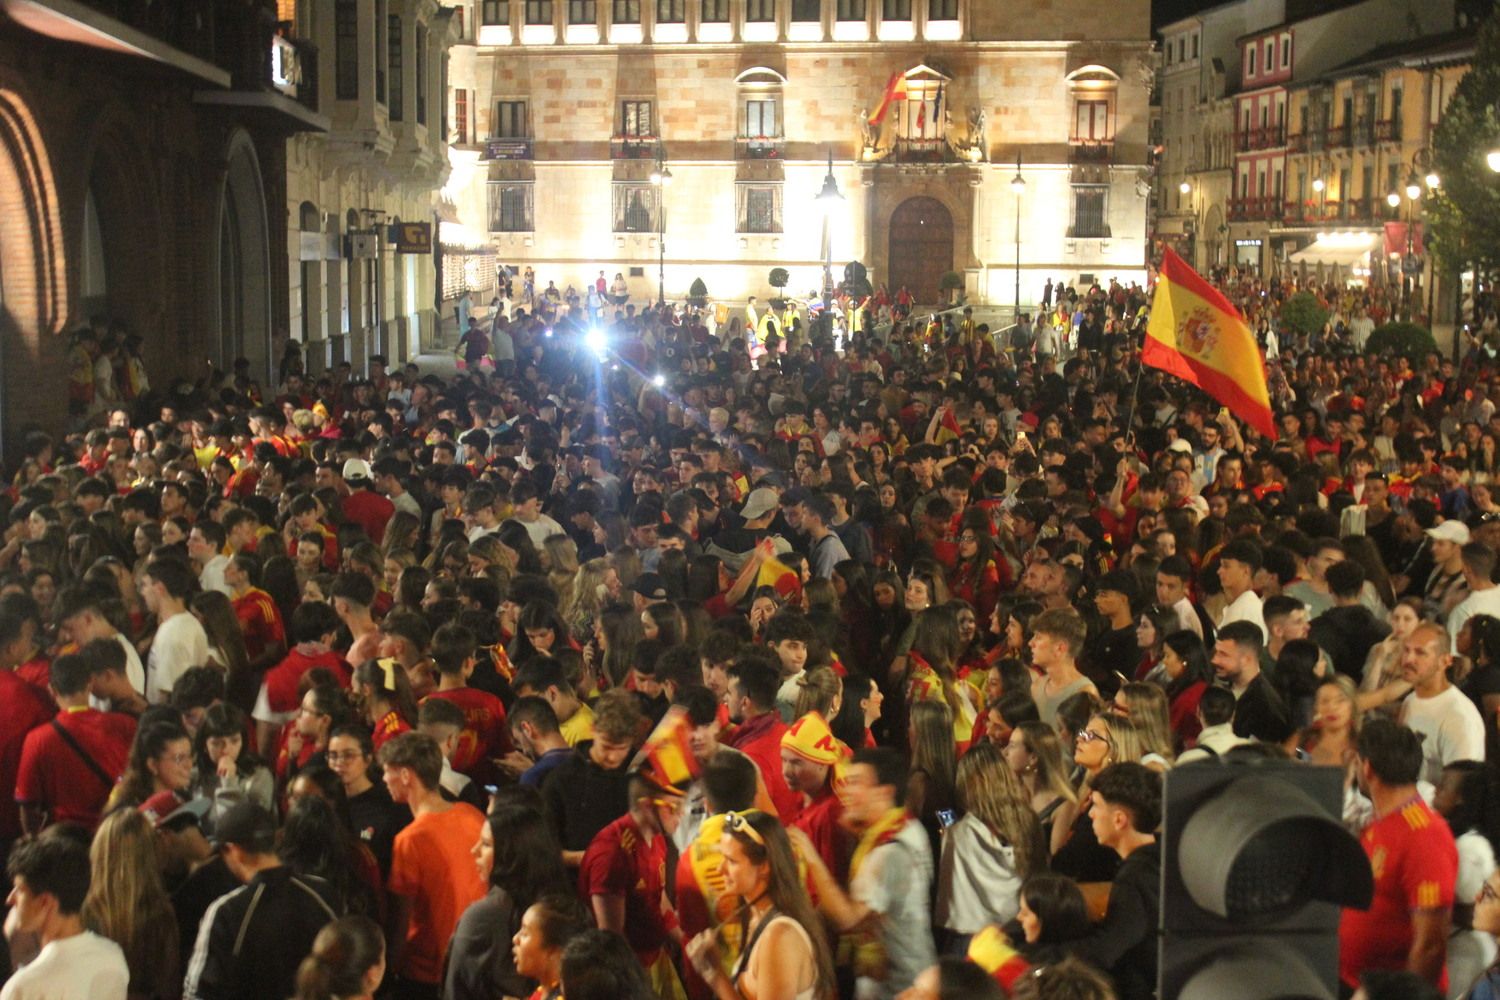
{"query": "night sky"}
[(1167, 11)]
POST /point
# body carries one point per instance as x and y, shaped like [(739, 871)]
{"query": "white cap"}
[(1450, 531), (357, 468)]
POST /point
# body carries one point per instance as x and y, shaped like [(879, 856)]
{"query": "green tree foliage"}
[(779, 277), (1408, 340), (1463, 215), (1302, 313)]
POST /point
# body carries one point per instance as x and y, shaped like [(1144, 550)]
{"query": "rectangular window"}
[(671, 11), (583, 12), (458, 19), (510, 121), (636, 119), (1091, 122), (1089, 212), (635, 208), (627, 11), (346, 49), (895, 10), (380, 50), (421, 40), (1270, 57), (1195, 46), (460, 116), (1286, 53), (761, 119), (942, 10), (495, 12), (397, 93), (759, 208), (715, 12), (538, 11), (510, 208), (850, 10), (760, 10), (1251, 70), (807, 10)]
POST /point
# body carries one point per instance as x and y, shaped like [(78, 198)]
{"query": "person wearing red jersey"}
[(258, 615), (68, 769), (433, 879), (20, 650), (751, 699), (381, 688), (1414, 861), (22, 709), (810, 755), (486, 734), (304, 521), (363, 506), (314, 626), (623, 876)]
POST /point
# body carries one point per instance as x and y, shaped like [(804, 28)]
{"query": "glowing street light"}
[(1319, 184), (1393, 199), (830, 200), (1493, 159)]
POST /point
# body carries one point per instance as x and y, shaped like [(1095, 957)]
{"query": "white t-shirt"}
[(1479, 602), (180, 643), (212, 577), (1450, 727), (82, 967), (894, 882), (540, 529), (1245, 608)]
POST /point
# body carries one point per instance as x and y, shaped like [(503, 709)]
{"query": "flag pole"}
[(1135, 392)]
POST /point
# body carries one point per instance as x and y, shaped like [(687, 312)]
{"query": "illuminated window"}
[(636, 119), (510, 120), (460, 116), (1090, 204), (495, 12), (759, 208), (715, 12), (1091, 122), (510, 208), (627, 11), (761, 119), (760, 10), (583, 12), (635, 208), (671, 11), (538, 11)]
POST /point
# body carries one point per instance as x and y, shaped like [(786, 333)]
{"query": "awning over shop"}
[(1342, 249)]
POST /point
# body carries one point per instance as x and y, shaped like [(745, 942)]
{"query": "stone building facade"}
[(563, 112)]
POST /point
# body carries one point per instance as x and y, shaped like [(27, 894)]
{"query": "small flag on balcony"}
[(1195, 334), (895, 90), (937, 108), (922, 116)]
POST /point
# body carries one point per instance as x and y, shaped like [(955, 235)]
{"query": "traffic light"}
[(1255, 868)]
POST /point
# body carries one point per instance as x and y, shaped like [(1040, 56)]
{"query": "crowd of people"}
[(704, 656)]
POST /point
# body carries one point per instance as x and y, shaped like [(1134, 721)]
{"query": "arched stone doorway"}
[(244, 250), (33, 278), (921, 247)]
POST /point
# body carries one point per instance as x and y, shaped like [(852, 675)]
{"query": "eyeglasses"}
[(1089, 736), (968, 538), (349, 755), (739, 822), (176, 758)]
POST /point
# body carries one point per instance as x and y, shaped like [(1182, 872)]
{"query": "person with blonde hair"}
[(1335, 724), (1146, 706), (1035, 755), (127, 903), (561, 556), (819, 690), (1106, 739), (934, 766), (596, 583), (990, 852)]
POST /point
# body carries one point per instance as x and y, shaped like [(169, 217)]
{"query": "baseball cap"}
[(650, 586), (811, 739), (167, 812), (356, 468), (1181, 445), (1450, 531), (246, 825), (759, 503)]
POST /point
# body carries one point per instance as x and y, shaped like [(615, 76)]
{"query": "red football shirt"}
[(281, 680), (52, 776), (485, 734), (1415, 863), (619, 862), (260, 621), (388, 728), (22, 709)]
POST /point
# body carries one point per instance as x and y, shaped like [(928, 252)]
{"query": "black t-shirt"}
[(376, 821), (583, 798)]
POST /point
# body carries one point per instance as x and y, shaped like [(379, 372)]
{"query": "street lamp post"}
[(661, 176), (828, 201), (1018, 185)]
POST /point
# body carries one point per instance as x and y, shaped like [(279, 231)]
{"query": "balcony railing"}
[(1266, 207), (1297, 143), (1266, 137), (922, 149), (1388, 130), (1092, 150), (506, 149), (760, 147), (633, 147), (1336, 137), (1364, 134)]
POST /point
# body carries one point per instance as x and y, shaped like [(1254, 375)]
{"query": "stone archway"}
[(242, 242), (920, 247), (34, 278)]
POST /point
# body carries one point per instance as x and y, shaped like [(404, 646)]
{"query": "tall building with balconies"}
[(962, 139)]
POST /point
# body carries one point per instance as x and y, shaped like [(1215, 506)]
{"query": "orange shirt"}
[(431, 866)]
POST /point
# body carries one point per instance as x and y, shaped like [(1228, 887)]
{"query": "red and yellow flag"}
[(948, 428), (775, 573), (895, 90), (667, 755), (1195, 334)]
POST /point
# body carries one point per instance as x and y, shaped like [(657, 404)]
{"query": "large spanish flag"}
[(1195, 334), (895, 90)]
